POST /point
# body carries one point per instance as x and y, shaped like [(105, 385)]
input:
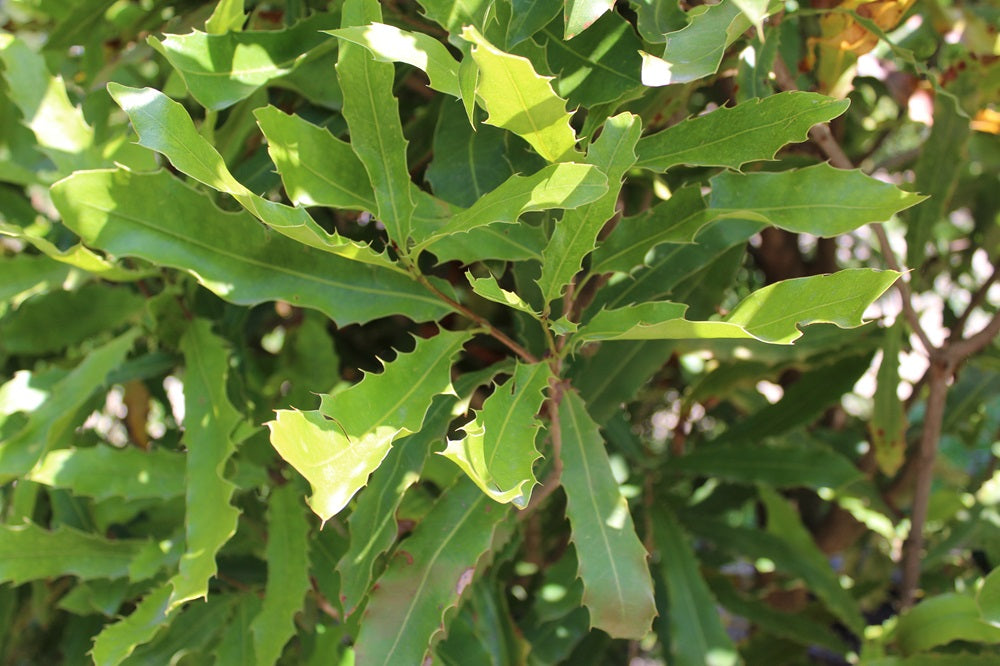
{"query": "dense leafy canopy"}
[(497, 331)]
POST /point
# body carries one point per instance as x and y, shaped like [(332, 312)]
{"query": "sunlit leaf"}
[(287, 573), (339, 446), (208, 426), (580, 14), (695, 51), (156, 217), (117, 641), (941, 619), (498, 449), (518, 99)]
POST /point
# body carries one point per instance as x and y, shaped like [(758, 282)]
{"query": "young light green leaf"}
[(28, 552), (390, 44), (209, 422), (427, 576), (784, 522), (564, 185), (117, 641), (697, 634), (220, 70), (617, 588), (676, 220), (576, 233), (731, 137), (600, 66), (164, 125), (695, 51), (156, 217), (518, 99), (339, 446), (489, 289), (55, 418), (59, 127), (498, 449), (782, 467), (888, 422), (287, 573), (104, 471), (580, 14), (772, 314), (227, 15), (372, 114), (818, 200)]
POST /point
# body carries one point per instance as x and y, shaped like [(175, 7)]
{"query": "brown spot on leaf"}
[(464, 580)]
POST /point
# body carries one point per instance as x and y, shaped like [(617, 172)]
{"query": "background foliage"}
[(492, 331)]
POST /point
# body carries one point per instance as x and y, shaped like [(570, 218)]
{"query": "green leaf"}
[(236, 644), (988, 598), (617, 588), (453, 14), (287, 573), (483, 632), (783, 521), (772, 314), (498, 449), (390, 44), (697, 634), (818, 200), (316, 168), (527, 17), (372, 114), (941, 619), (55, 418), (25, 272), (887, 426), (565, 185), (427, 576), (731, 137), (676, 220), (164, 125), (580, 14), (755, 11), (782, 467), (489, 289), (156, 217), (339, 446), (28, 552), (117, 641), (695, 51), (209, 422), (468, 161), (220, 70), (103, 471), (84, 313), (534, 111), (576, 233), (602, 65), (501, 241), (227, 15), (373, 525), (656, 18), (59, 127)]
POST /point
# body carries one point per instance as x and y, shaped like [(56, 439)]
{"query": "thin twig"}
[(482, 321), (977, 298)]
